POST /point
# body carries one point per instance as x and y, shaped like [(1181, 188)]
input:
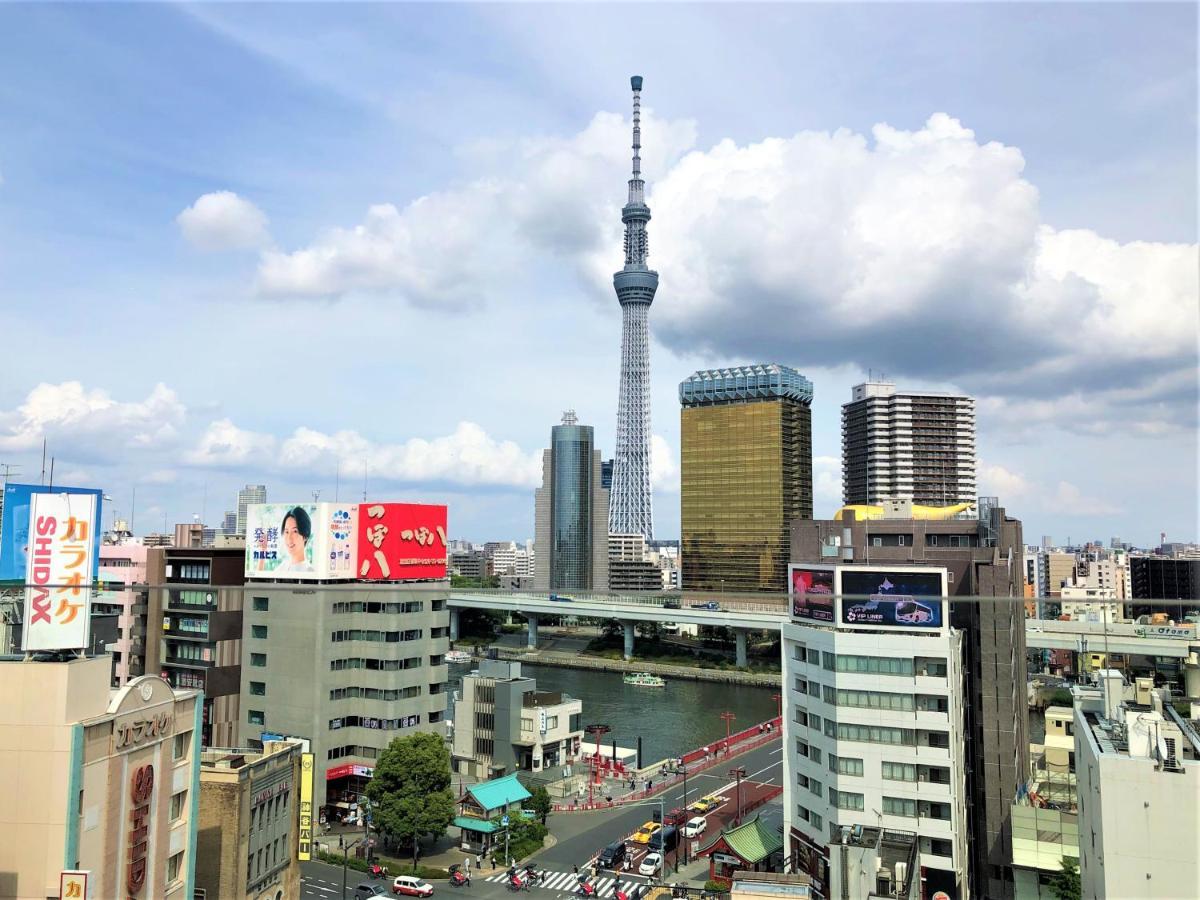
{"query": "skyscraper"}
[(251, 493), (918, 446), (571, 512), (632, 508), (746, 473)]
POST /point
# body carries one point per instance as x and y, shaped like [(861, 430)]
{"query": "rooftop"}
[(499, 793), (769, 381)]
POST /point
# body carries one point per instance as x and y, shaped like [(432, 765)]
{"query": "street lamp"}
[(739, 772), (728, 717), (346, 848), (599, 731), (682, 770)]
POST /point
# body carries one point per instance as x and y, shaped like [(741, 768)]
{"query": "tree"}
[(410, 791), (1065, 884), (540, 803)]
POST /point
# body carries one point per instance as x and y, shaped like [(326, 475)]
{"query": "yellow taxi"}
[(643, 834), (706, 804)]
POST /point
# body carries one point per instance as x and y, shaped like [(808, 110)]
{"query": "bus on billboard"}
[(892, 597), (812, 590)]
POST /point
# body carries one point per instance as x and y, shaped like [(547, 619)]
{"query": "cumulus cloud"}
[(1063, 498), (827, 485), (224, 444), (91, 419), (664, 466), (997, 481), (222, 220)]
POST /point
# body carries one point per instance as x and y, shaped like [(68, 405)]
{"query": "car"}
[(650, 864), (612, 856), (695, 827), (367, 890), (411, 886), (647, 831), (706, 804), (671, 603), (559, 598), (665, 839), (711, 604)]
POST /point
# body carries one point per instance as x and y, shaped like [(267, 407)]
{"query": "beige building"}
[(98, 781), (248, 822)]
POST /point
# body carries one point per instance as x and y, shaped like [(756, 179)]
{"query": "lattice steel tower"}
[(631, 507)]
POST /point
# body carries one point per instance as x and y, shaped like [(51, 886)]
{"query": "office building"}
[(251, 493), (1138, 766), (915, 446), (981, 558), (470, 564), (349, 667), (157, 539), (632, 503), (189, 535), (248, 837), (229, 522), (122, 569), (504, 724), (571, 512), (96, 780), (1162, 579), (746, 473), (1059, 568), (874, 744), (509, 559)]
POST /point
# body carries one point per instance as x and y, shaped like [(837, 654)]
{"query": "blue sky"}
[(282, 243)]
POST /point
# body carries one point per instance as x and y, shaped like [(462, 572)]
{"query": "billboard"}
[(305, 541), (812, 590), (14, 527), (892, 597), (401, 541), (60, 570), (304, 847)]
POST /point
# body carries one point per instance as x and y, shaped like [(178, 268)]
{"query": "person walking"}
[(493, 860)]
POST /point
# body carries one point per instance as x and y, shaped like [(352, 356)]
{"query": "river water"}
[(670, 720)]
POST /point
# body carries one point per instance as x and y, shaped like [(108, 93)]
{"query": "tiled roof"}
[(499, 792)]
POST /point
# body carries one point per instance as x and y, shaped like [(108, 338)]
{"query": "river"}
[(670, 720)]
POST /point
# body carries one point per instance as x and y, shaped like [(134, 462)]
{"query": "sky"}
[(337, 248)]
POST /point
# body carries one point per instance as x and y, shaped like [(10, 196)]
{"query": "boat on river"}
[(644, 679)]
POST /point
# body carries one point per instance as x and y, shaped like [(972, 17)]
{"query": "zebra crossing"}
[(569, 881)]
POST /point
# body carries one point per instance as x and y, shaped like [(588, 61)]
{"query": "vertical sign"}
[(137, 848), (58, 571), (73, 885), (304, 850)]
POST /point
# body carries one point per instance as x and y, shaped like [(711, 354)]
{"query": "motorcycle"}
[(378, 871), (458, 878), (586, 888), (518, 881)]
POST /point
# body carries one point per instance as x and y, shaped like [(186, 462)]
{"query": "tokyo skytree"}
[(630, 507)]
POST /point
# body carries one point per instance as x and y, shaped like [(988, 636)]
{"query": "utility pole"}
[(778, 698), (739, 773), (346, 848), (682, 770)]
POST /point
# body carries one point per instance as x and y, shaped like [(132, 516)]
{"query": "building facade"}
[(96, 780), (346, 667), (571, 512), (251, 493), (1161, 578), (122, 571), (746, 473), (917, 446)]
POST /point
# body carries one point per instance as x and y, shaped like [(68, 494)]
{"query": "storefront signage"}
[(141, 789), (132, 732), (347, 770), (304, 850), (271, 792), (73, 885), (726, 860)]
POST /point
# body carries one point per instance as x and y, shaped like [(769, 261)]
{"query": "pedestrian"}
[(575, 869), (493, 861), (467, 866)]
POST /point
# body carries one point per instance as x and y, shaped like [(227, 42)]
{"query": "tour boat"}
[(457, 656), (644, 679)]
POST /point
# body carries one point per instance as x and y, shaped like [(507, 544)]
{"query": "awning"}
[(469, 824)]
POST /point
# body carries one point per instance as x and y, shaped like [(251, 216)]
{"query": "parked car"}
[(411, 886), (665, 839), (711, 604), (559, 598), (695, 827), (612, 856), (650, 864), (366, 891), (647, 831)]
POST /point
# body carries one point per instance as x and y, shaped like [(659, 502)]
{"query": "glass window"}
[(898, 771), (174, 867), (874, 665), (180, 748), (816, 787), (814, 754), (257, 717), (845, 800), (261, 604), (258, 688), (258, 631), (845, 765), (828, 661), (900, 806), (177, 802), (814, 656), (258, 659), (817, 822)]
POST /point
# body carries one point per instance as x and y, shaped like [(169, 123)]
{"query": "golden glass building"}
[(746, 467)]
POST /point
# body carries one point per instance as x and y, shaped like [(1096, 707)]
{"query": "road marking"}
[(778, 749)]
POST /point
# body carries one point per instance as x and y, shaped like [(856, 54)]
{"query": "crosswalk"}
[(569, 881)]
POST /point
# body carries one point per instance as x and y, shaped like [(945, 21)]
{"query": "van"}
[(612, 856), (665, 839)]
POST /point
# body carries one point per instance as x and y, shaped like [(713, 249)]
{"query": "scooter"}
[(517, 882), (378, 871), (586, 888), (458, 878)]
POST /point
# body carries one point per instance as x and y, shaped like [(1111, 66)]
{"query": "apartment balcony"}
[(184, 662), (192, 601)]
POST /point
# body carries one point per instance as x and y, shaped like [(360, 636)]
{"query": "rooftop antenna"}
[(51, 473), (43, 478), (9, 470), (364, 481), (316, 494)]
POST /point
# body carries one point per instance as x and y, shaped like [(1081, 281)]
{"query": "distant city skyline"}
[(372, 258)]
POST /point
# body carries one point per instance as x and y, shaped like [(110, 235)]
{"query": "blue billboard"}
[(889, 599), (14, 527)]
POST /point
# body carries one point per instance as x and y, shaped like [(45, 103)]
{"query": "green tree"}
[(540, 802), (1065, 884), (410, 792)]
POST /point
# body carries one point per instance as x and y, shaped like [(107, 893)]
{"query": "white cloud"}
[(827, 486), (664, 466), (997, 481), (224, 444), (90, 419), (224, 221), (1069, 500)]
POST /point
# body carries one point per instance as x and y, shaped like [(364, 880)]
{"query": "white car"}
[(650, 864), (695, 827)]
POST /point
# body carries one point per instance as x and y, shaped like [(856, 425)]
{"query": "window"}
[(931, 668), (802, 813), (871, 700), (942, 847), (259, 632), (814, 689), (874, 665), (552, 722), (182, 743), (939, 739), (261, 604), (258, 659), (258, 688), (527, 724), (876, 734), (801, 685), (900, 806), (801, 780), (845, 765), (814, 657), (898, 771), (828, 661), (802, 749), (799, 653), (845, 800), (816, 787), (256, 717), (815, 754), (174, 867), (816, 821), (177, 802)]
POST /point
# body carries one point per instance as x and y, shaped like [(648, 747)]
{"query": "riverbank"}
[(689, 673)]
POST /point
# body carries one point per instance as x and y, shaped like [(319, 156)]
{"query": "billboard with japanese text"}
[(892, 597), (14, 526), (60, 570), (812, 588), (305, 541), (401, 541)]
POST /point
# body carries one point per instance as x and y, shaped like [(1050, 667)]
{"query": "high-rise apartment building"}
[(746, 474), (229, 522), (251, 493), (917, 446), (1162, 584), (571, 512)]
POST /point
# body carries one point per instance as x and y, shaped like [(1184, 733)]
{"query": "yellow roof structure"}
[(863, 511)]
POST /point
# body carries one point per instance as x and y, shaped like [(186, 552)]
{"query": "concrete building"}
[(1139, 777), (911, 445), (626, 548), (1090, 604), (1058, 569), (251, 493), (248, 825), (746, 473), (229, 523), (96, 780), (157, 539), (507, 558), (625, 576), (189, 535), (194, 628), (470, 564), (347, 667), (874, 747), (571, 512), (122, 567), (504, 724), (982, 558), (1159, 578)]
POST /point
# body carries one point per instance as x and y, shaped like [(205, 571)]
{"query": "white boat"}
[(457, 656), (644, 679)]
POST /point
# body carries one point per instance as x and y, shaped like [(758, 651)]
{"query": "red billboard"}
[(401, 541)]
